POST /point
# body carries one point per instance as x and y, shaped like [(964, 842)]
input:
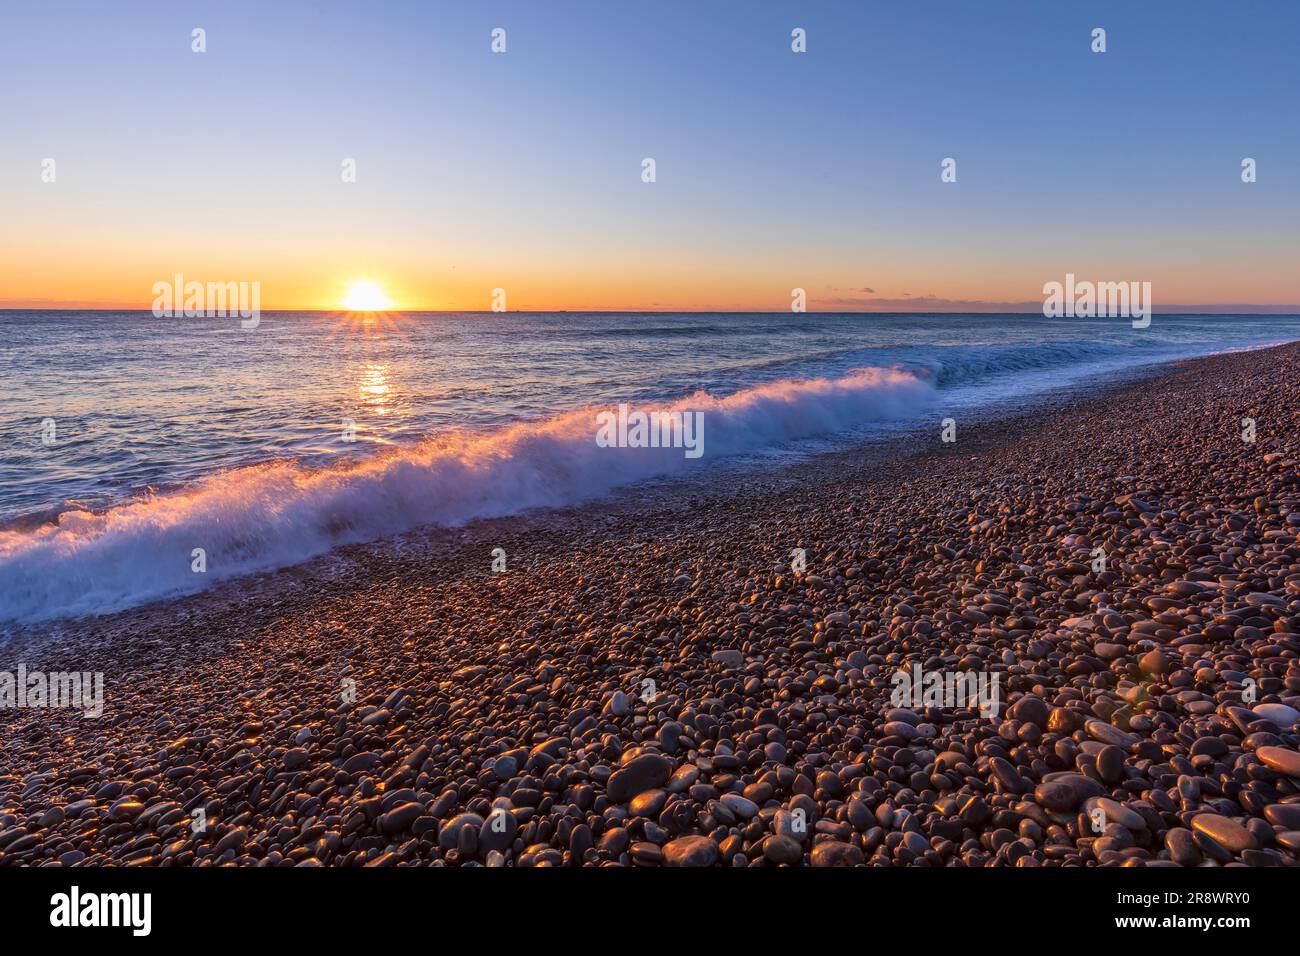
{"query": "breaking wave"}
[(272, 515)]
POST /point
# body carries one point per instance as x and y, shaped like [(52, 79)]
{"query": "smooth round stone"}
[(1182, 848), (683, 778), (448, 835), (898, 728), (1109, 734), (648, 803), (779, 849), (1284, 816), (915, 843), (1063, 720), (1115, 813), (825, 684), (1241, 717), (691, 851), (786, 823), (835, 853), (1153, 662), (359, 763), (948, 760), (739, 805), (395, 798), (1212, 848), (1289, 839), (1110, 763), (613, 842), (580, 840), (1055, 796), (1210, 747), (400, 818), (497, 832), (645, 772), (1280, 759), (1229, 834), (1007, 775), (976, 812), (648, 853), (669, 735), (730, 659), (1065, 792), (759, 792), (1279, 714), (125, 809), (542, 854), (52, 816), (1030, 710)]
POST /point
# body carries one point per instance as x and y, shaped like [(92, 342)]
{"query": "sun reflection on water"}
[(374, 388)]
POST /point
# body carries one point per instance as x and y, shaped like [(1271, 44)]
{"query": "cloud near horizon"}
[(933, 303)]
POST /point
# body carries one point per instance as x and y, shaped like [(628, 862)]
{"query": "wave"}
[(961, 365), (953, 365), (262, 517)]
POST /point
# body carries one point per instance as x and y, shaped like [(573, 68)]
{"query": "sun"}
[(365, 296)]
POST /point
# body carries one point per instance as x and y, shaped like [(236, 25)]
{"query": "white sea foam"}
[(268, 516)]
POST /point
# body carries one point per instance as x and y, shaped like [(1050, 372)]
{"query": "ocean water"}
[(176, 434)]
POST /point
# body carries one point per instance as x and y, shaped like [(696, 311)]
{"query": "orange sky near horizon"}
[(64, 247), (687, 294), (303, 153), (94, 270)]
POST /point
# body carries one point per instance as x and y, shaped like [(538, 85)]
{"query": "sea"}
[(131, 444)]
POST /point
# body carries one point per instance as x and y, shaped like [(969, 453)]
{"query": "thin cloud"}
[(933, 303)]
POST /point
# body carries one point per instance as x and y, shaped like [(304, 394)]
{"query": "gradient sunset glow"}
[(366, 296), (522, 171)]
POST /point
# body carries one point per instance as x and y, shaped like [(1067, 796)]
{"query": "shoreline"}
[(229, 699), (892, 440)]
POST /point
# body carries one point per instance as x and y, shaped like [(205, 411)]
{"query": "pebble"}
[(691, 851), (1182, 848), (1100, 730), (729, 659), (664, 689), (1279, 714), (835, 853), (780, 849), (645, 772), (1229, 834), (1281, 759)]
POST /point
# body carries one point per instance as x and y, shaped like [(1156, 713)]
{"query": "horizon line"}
[(1225, 309)]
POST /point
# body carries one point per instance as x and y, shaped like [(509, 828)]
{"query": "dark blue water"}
[(175, 434)]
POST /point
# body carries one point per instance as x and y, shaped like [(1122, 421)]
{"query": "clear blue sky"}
[(774, 169)]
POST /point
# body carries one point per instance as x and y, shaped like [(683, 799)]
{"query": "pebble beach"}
[(655, 680)]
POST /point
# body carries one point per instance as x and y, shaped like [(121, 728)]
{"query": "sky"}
[(774, 170)]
